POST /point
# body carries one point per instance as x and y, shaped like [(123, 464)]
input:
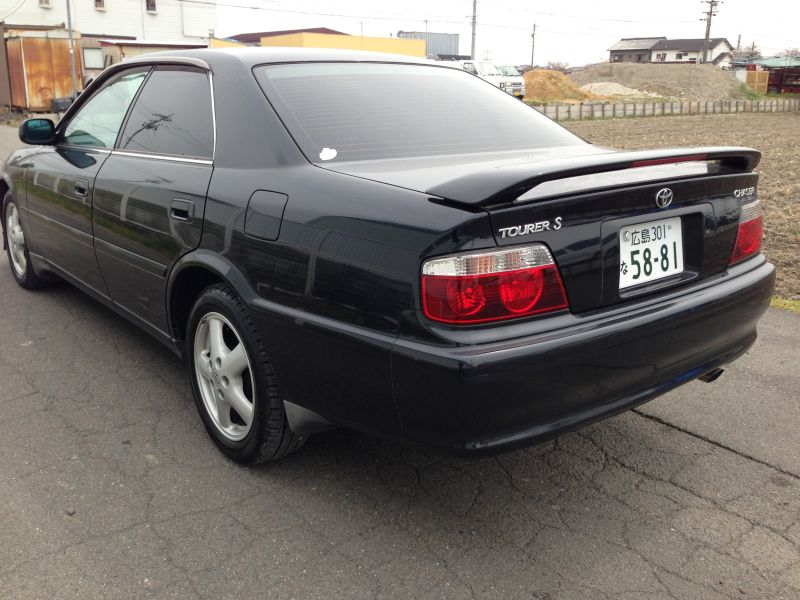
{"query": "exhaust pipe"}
[(712, 375)]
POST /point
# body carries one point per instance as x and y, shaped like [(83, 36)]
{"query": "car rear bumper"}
[(497, 396)]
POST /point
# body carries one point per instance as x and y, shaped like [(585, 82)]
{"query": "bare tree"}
[(558, 66), (791, 53)]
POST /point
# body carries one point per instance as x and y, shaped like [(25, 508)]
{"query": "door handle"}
[(81, 188), (181, 210)]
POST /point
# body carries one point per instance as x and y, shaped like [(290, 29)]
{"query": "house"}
[(720, 51), (663, 50), (633, 49)]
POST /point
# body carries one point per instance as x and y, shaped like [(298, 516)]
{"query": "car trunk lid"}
[(589, 205)]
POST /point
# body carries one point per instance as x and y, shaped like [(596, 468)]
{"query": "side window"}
[(172, 115), (98, 121), (470, 68)]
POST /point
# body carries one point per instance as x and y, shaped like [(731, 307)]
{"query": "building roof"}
[(636, 43), (777, 62), (149, 43), (689, 45), (255, 37)]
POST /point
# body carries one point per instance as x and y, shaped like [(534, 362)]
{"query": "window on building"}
[(99, 4), (46, 3), (679, 56), (150, 5), (617, 58), (92, 58), (162, 122), (639, 57)]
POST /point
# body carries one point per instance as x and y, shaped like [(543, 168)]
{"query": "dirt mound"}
[(610, 88), (542, 85), (686, 82)]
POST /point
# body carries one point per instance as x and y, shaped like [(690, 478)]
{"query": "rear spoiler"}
[(502, 185)]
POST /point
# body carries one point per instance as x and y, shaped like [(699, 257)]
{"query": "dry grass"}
[(776, 135), (543, 86)]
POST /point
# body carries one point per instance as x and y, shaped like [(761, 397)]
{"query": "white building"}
[(662, 50), (720, 51), (141, 19), (162, 20)]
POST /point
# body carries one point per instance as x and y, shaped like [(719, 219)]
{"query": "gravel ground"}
[(776, 135)]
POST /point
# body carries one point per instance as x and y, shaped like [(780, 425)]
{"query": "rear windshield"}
[(364, 111)]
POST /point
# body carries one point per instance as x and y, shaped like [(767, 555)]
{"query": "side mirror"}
[(37, 131)]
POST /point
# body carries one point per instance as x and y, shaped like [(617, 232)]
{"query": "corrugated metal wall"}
[(39, 70), (436, 43), (5, 84)]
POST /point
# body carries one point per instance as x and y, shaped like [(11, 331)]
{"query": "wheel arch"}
[(192, 274)]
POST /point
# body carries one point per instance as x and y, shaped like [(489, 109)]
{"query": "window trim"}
[(165, 156), (151, 11), (102, 7)]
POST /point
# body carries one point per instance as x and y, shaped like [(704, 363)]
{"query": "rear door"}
[(150, 193), (61, 183)]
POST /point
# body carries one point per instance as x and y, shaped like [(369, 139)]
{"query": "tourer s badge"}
[(528, 228)]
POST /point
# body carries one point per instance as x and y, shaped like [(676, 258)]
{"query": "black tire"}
[(269, 437), (28, 279)]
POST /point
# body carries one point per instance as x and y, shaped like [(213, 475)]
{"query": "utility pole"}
[(474, 27), (712, 11), (533, 43), (72, 53)]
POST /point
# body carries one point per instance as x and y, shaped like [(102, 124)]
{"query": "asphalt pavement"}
[(110, 487)]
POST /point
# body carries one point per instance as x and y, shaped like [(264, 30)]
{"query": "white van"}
[(515, 82), (490, 72)]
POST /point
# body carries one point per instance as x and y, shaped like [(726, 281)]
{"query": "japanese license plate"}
[(650, 251)]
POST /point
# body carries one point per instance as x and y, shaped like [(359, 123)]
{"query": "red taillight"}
[(492, 286), (750, 234)]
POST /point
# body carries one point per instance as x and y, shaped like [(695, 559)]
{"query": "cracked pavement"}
[(110, 487)]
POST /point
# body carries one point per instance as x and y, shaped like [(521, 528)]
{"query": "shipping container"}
[(436, 44)]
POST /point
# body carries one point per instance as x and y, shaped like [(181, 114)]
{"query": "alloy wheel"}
[(16, 241), (224, 376)]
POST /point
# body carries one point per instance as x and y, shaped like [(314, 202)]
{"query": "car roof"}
[(252, 56)]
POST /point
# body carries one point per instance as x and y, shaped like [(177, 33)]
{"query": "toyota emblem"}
[(664, 198)]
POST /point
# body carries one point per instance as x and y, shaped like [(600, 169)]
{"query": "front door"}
[(150, 193), (61, 181)]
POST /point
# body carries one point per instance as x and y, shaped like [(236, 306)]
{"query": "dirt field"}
[(778, 138), (684, 82)]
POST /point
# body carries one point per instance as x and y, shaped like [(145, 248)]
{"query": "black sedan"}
[(388, 244)]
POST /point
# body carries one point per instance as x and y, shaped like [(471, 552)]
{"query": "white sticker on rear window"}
[(327, 154)]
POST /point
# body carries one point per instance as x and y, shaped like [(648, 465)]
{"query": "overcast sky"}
[(572, 31)]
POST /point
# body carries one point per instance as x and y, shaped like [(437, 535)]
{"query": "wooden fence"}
[(565, 112)]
